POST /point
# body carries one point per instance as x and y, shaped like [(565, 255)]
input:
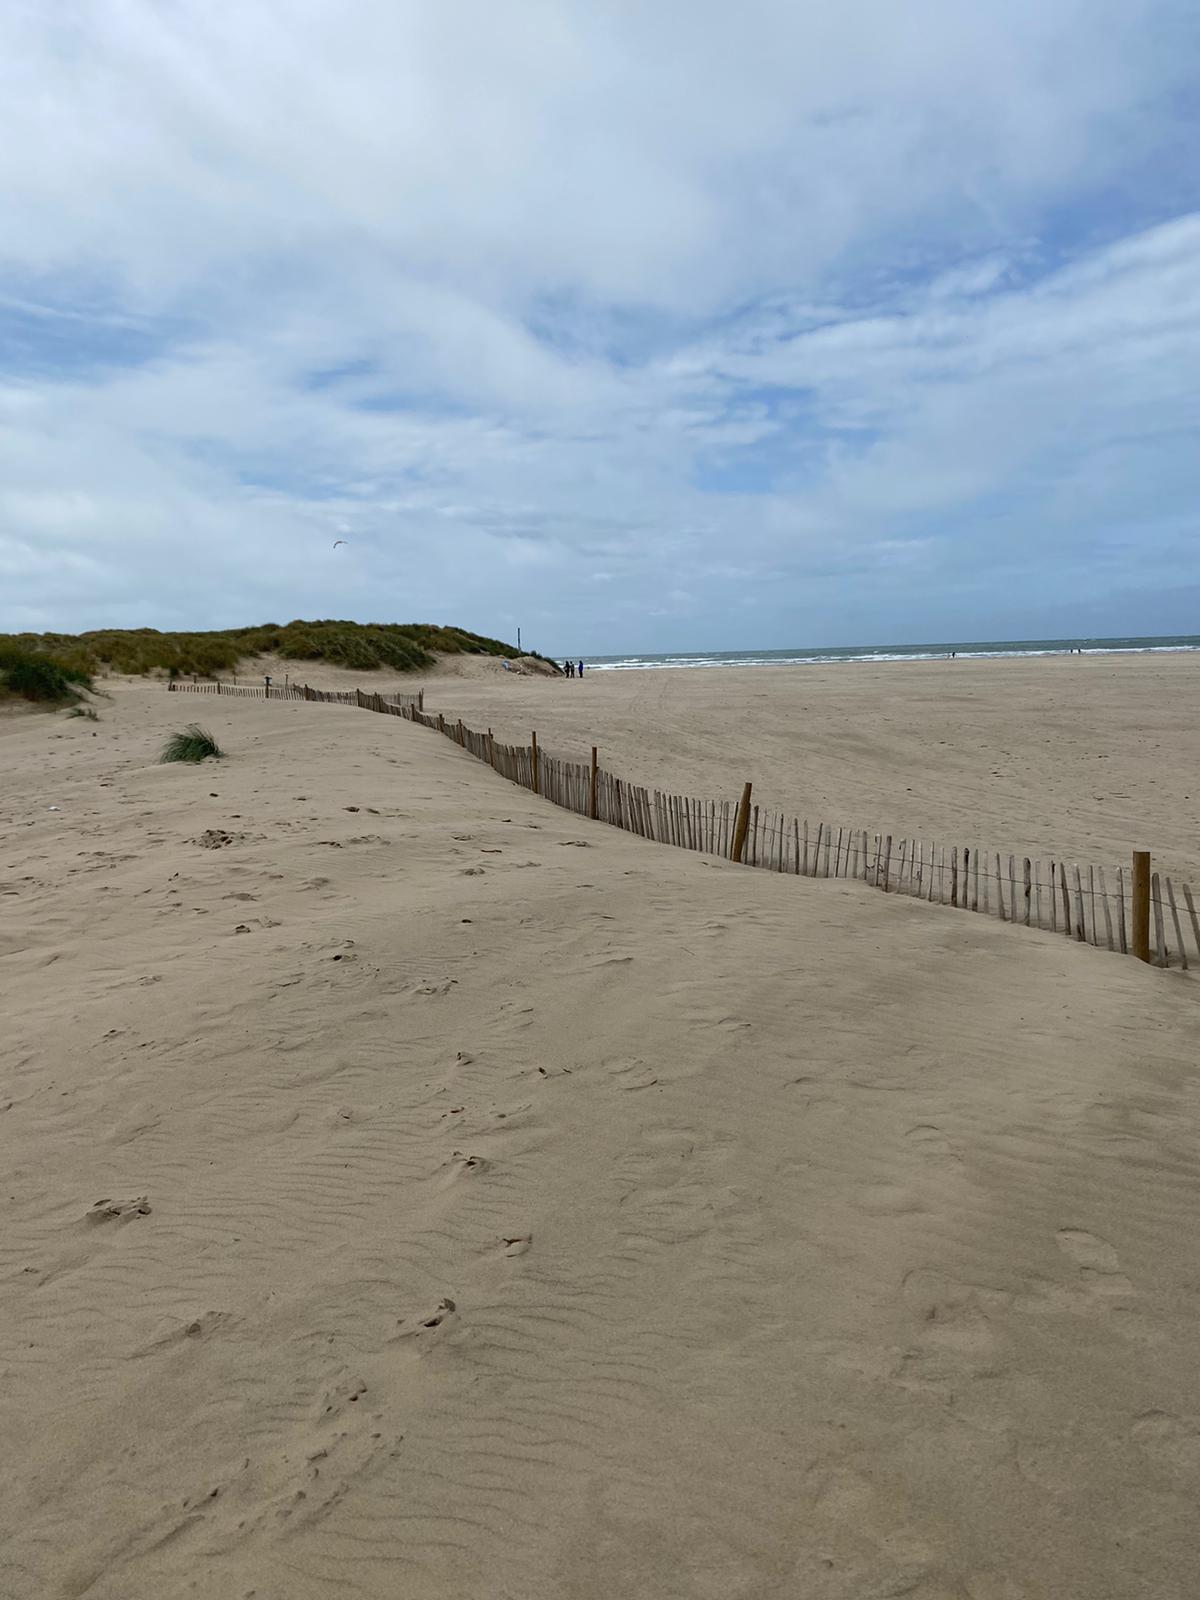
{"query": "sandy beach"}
[(414, 1190), (1075, 757)]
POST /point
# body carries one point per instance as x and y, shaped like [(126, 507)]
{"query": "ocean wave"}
[(963, 652)]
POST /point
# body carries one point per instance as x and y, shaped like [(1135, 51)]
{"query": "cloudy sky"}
[(644, 325)]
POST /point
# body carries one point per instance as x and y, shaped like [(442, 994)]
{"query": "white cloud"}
[(869, 307)]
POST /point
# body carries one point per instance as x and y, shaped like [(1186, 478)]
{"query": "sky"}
[(641, 326)]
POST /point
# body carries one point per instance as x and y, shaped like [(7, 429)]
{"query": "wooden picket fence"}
[(1135, 912), (300, 691)]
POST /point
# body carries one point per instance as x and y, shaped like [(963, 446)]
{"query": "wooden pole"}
[(741, 823), (533, 763), (592, 806), (1141, 905)]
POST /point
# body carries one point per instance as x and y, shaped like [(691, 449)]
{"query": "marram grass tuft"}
[(193, 744)]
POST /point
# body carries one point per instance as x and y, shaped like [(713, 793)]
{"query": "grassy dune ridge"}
[(38, 675), (402, 647)]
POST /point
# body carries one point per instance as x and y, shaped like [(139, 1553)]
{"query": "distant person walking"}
[(581, 669), (569, 668)]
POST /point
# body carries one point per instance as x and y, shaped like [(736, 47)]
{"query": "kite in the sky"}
[(337, 542)]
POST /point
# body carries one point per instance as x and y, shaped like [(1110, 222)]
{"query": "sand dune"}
[(1076, 757), (412, 1190)]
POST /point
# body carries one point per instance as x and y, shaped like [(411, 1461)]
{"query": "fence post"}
[(218, 685), (1141, 904), (441, 723), (491, 750), (533, 762), (593, 805), (740, 825), (420, 699)]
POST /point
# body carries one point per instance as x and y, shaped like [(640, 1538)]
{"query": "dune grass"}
[(38, 675), (400, 647), (84, 711), (194, 743)]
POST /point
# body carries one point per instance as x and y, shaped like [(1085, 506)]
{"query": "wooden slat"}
[(1160, 937), (1108, 921), (1121, 929), (1187, 897), (1183, 960), (1080, 918), (1026, 890)]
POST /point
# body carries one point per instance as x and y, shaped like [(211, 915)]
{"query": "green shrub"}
[(193, 744), (37, 675)]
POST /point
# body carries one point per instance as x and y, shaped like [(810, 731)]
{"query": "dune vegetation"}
[(400, 647), (194, 743), (39, 675)]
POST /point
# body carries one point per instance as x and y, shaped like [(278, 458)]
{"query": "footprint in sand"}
[(118, 1210), (1096, 1260), (420, 1324), (630, 1075), (933, 1144), (201, 1327), (338, 1396), (954, 1329), (461, 1165)]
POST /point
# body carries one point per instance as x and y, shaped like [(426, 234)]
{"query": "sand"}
[(450, 1198), (1083, 758)]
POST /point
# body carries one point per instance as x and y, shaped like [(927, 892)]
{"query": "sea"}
[(965, 649)]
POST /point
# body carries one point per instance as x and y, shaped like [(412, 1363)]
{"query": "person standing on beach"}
[(581, 669)]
